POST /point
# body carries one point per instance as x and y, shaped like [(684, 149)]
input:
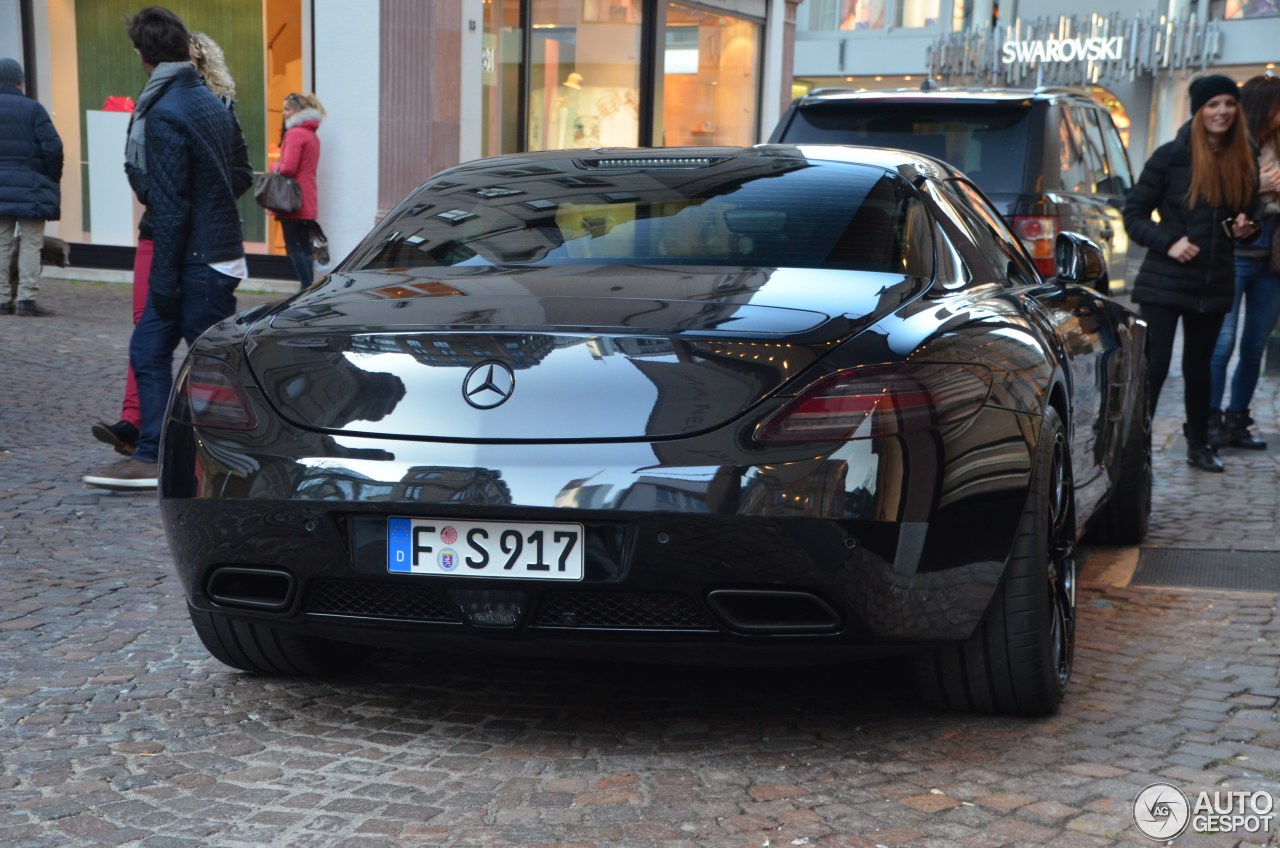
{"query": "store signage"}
[(1063, 50), (1075, 50)]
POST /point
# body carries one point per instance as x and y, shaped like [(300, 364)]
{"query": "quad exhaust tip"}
[(768, 611), (266, 589)]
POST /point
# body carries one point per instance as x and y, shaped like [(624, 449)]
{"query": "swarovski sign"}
[(1063, 50), (1075, 50)]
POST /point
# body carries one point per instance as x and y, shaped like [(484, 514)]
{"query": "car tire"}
[(1018, 662), (264, 649), (1125, 517)]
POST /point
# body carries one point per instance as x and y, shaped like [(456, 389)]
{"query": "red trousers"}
[(131, 410)]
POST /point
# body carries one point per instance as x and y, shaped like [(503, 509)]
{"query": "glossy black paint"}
[(638, 393)]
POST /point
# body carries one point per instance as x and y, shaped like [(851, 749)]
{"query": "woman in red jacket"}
[(299, 155)]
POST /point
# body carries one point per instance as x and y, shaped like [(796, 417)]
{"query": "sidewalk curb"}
[(263, 285)]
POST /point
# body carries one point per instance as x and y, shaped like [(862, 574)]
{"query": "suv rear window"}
[(987, 142)]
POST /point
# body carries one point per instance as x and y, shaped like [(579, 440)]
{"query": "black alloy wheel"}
[(1062, 564), (1019, 660)]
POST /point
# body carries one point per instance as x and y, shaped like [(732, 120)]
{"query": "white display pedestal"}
[(110, 198)]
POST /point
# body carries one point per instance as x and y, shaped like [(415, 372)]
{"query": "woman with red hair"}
[(1203, 184)]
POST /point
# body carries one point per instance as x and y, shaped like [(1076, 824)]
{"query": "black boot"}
[(1200, 453), (1217, 435), (121, 435), (31, 309), (1235, 428)]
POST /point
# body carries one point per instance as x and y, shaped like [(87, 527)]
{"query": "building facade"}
[(410, 87), (1135, 56)]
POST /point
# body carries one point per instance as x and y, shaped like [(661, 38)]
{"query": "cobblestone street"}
[(118, 729)]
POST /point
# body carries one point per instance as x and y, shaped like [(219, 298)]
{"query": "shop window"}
[(1235, 10), (711, 74), (97, 70), (584, 74), (863, 14), (283, 43), (500, 59), (917, 14), (818, 15)]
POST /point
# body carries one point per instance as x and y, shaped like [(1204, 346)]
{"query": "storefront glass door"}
[(584, 74), (711, 77)]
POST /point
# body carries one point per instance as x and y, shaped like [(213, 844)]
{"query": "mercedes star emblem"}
[(488, 384)]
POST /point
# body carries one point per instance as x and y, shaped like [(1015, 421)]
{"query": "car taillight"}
[(1038, 233), (879, 400), (209, 395)]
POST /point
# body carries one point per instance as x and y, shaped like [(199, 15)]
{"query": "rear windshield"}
[(742, 211), (987, 142)]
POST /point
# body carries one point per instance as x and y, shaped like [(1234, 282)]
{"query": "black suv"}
[(1050, 159)]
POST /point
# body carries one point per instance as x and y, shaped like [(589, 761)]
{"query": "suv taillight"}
[(879, 400), (1038, 233)]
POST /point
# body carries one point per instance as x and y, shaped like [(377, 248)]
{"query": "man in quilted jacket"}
[(187, 162), (30, 170)]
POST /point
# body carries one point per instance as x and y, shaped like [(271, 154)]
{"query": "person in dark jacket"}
[(30, 192), (211, 64), (1256, 307), (187, 162), (1202, 184)]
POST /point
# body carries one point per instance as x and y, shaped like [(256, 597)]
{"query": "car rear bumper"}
[(648, 580), (884, 542)]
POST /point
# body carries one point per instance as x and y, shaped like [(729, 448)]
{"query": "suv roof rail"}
[(1059, 89)]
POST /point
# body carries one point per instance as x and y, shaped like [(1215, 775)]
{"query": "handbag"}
[(278, 193), (319, 245)]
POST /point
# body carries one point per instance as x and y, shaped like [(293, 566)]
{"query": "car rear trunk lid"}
[(570, 354)]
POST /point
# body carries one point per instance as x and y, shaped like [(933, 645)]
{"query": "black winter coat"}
[(197, 166), (1205, 284), (30, 159)]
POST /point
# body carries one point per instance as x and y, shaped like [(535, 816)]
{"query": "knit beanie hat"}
[(1206, 88), (11, 72)]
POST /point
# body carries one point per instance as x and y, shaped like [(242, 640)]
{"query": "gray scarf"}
[(135, 152)]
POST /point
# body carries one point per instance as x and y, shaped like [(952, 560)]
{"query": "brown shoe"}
[(31, 309), (127, 475)]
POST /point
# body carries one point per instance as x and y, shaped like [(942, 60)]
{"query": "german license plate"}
[(528, 551)]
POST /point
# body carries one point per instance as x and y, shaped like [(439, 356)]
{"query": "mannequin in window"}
[(566, 120)]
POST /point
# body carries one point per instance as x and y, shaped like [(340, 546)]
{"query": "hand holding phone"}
[(1240, 228)]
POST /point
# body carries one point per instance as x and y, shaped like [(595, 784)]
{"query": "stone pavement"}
[(117, 729)]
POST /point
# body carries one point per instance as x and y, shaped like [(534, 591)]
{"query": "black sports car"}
[(777, 404)]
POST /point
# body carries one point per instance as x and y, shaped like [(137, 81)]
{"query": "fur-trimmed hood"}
[(303, 116)]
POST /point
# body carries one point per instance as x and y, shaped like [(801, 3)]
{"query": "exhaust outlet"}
[(252, 588), (763, 611)]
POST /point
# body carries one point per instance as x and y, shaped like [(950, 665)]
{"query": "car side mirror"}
[(1079, 261)]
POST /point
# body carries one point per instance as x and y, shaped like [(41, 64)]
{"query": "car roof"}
[(943, 95)]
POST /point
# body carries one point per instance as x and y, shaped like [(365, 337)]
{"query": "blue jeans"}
[(297, 243), (206, 297), (1258, 291)]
